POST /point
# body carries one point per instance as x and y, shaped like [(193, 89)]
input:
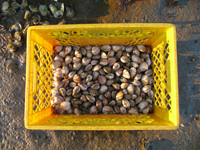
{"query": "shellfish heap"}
[(108, 79)]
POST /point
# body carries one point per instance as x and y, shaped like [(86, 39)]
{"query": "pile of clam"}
[(107, 79)]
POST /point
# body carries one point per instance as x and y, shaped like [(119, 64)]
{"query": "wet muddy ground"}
[(186, 18)]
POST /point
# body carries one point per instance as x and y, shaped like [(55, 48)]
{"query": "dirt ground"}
[(185, 16)]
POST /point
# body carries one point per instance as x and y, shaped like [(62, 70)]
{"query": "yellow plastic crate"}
[(40, 42)]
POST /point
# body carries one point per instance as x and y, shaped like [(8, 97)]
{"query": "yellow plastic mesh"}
[(160, 56), (42, 96), (67, 37), (71, 120)]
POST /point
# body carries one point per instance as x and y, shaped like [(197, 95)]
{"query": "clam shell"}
[(143, 66), (141, 48), (62, 91), (96, 68), (90, 98), (86, 104), (89, 78), (83, 51), (72, 84), (143, 105), (76, 59), (133, 111), (105, 101), (89, 54), (112, 103), (137, 77), (117, 109), (129, 49), (103, 55), (145, 79), (116, 66), (95, 86), (111, 61), (119, 96), (65, 82), (83, 87), (109, 82), (65, 105), (111, 53), (94, 92), (83, 98), (77, 78), (124, 85), (70, 12), (59, 58), (132, 103), (103, 89), (123, 110), (146, 88), (68, 59), (95, 75), (107, 109), (96, 57), (126, 103), (130, 88), (71, 74), (151, 94), (102, 79), (76, 90), (57, 99), (134, 64), (144, 55), (105, 48), (119, 72), (136, 51), (99, 105), (126, 74), (108, 95), (69, 92), (116, 86), (67, 49), (95, 50), (88, 47), (77, 111), (58, 73), (93, 110), (137, 90), (90, 83), (117, 48), (110, 76), (119, 54), (88, 67), (107, 69), (125, 59), (103, 62), (83, 75), (132, 72), (78, 53), (148, 49), (136, 59), (57, 84), (138, 100), (136, 83), (55, 92), (118, 103), (149, 72), (55, 64)]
